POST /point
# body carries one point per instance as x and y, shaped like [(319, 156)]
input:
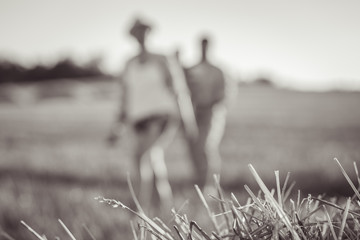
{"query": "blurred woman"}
[(149, 106)]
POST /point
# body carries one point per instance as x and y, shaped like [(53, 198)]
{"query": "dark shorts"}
[(142, 126)]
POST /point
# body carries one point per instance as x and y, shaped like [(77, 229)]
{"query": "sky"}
[(305, 44)]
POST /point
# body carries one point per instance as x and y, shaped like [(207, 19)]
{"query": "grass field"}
[(54, 160)]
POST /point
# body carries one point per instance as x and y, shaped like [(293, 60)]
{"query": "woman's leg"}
[(144, 175), (162, 185), (152, 178), (164, 137), (146, 135)]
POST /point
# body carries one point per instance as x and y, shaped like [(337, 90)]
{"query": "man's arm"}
[(219, 89)]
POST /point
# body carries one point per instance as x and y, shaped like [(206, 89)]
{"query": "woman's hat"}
[(139, 26)]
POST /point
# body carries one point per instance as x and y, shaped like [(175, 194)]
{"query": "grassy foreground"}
[(271, 214)]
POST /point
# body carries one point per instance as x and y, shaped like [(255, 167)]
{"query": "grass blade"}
[(142, 216), (6, 236), (357, 173), (287, 193), (133, 230), (88, 232), (133, 195), (142, 213), (255, 199), (66, 230), (284, 186), (345, 214), (348, 178), (163, 225), (179, 233), (222, 202), (330, 223), (277, 177), (32, 230), (279, 210), (240, 219), (334, 206), (213, 220), (235, 199)]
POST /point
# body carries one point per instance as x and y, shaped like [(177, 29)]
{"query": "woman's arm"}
[(183, 98), (122, 116)]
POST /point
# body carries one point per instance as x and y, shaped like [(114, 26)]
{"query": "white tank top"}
[(147, 91)]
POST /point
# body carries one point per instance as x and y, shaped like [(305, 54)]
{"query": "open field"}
[(54, 160)]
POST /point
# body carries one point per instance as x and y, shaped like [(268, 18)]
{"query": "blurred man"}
[(207, 87)]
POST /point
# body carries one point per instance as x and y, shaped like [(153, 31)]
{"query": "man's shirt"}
[(206, 84)]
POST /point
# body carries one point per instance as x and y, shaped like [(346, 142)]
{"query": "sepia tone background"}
[(294, 103)]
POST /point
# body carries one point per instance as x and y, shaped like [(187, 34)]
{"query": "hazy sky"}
[(305, 43)]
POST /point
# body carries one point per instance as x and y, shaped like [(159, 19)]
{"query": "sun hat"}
[(139, 26)]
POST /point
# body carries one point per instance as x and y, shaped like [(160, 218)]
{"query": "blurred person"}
[(207, 87), (150, 107)]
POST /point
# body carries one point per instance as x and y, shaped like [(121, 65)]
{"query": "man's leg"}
[(198, 150), (213, 140)]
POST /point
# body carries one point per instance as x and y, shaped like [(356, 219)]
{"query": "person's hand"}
[(116, 133), (112, 139)]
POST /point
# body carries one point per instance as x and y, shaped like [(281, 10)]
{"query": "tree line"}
[(12, 72)]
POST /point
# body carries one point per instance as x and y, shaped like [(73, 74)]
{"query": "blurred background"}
[(293, 66)]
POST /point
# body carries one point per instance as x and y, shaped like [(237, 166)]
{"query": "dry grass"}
[(262, 217)]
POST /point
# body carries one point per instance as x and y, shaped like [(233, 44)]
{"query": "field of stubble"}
[(54, 161)]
